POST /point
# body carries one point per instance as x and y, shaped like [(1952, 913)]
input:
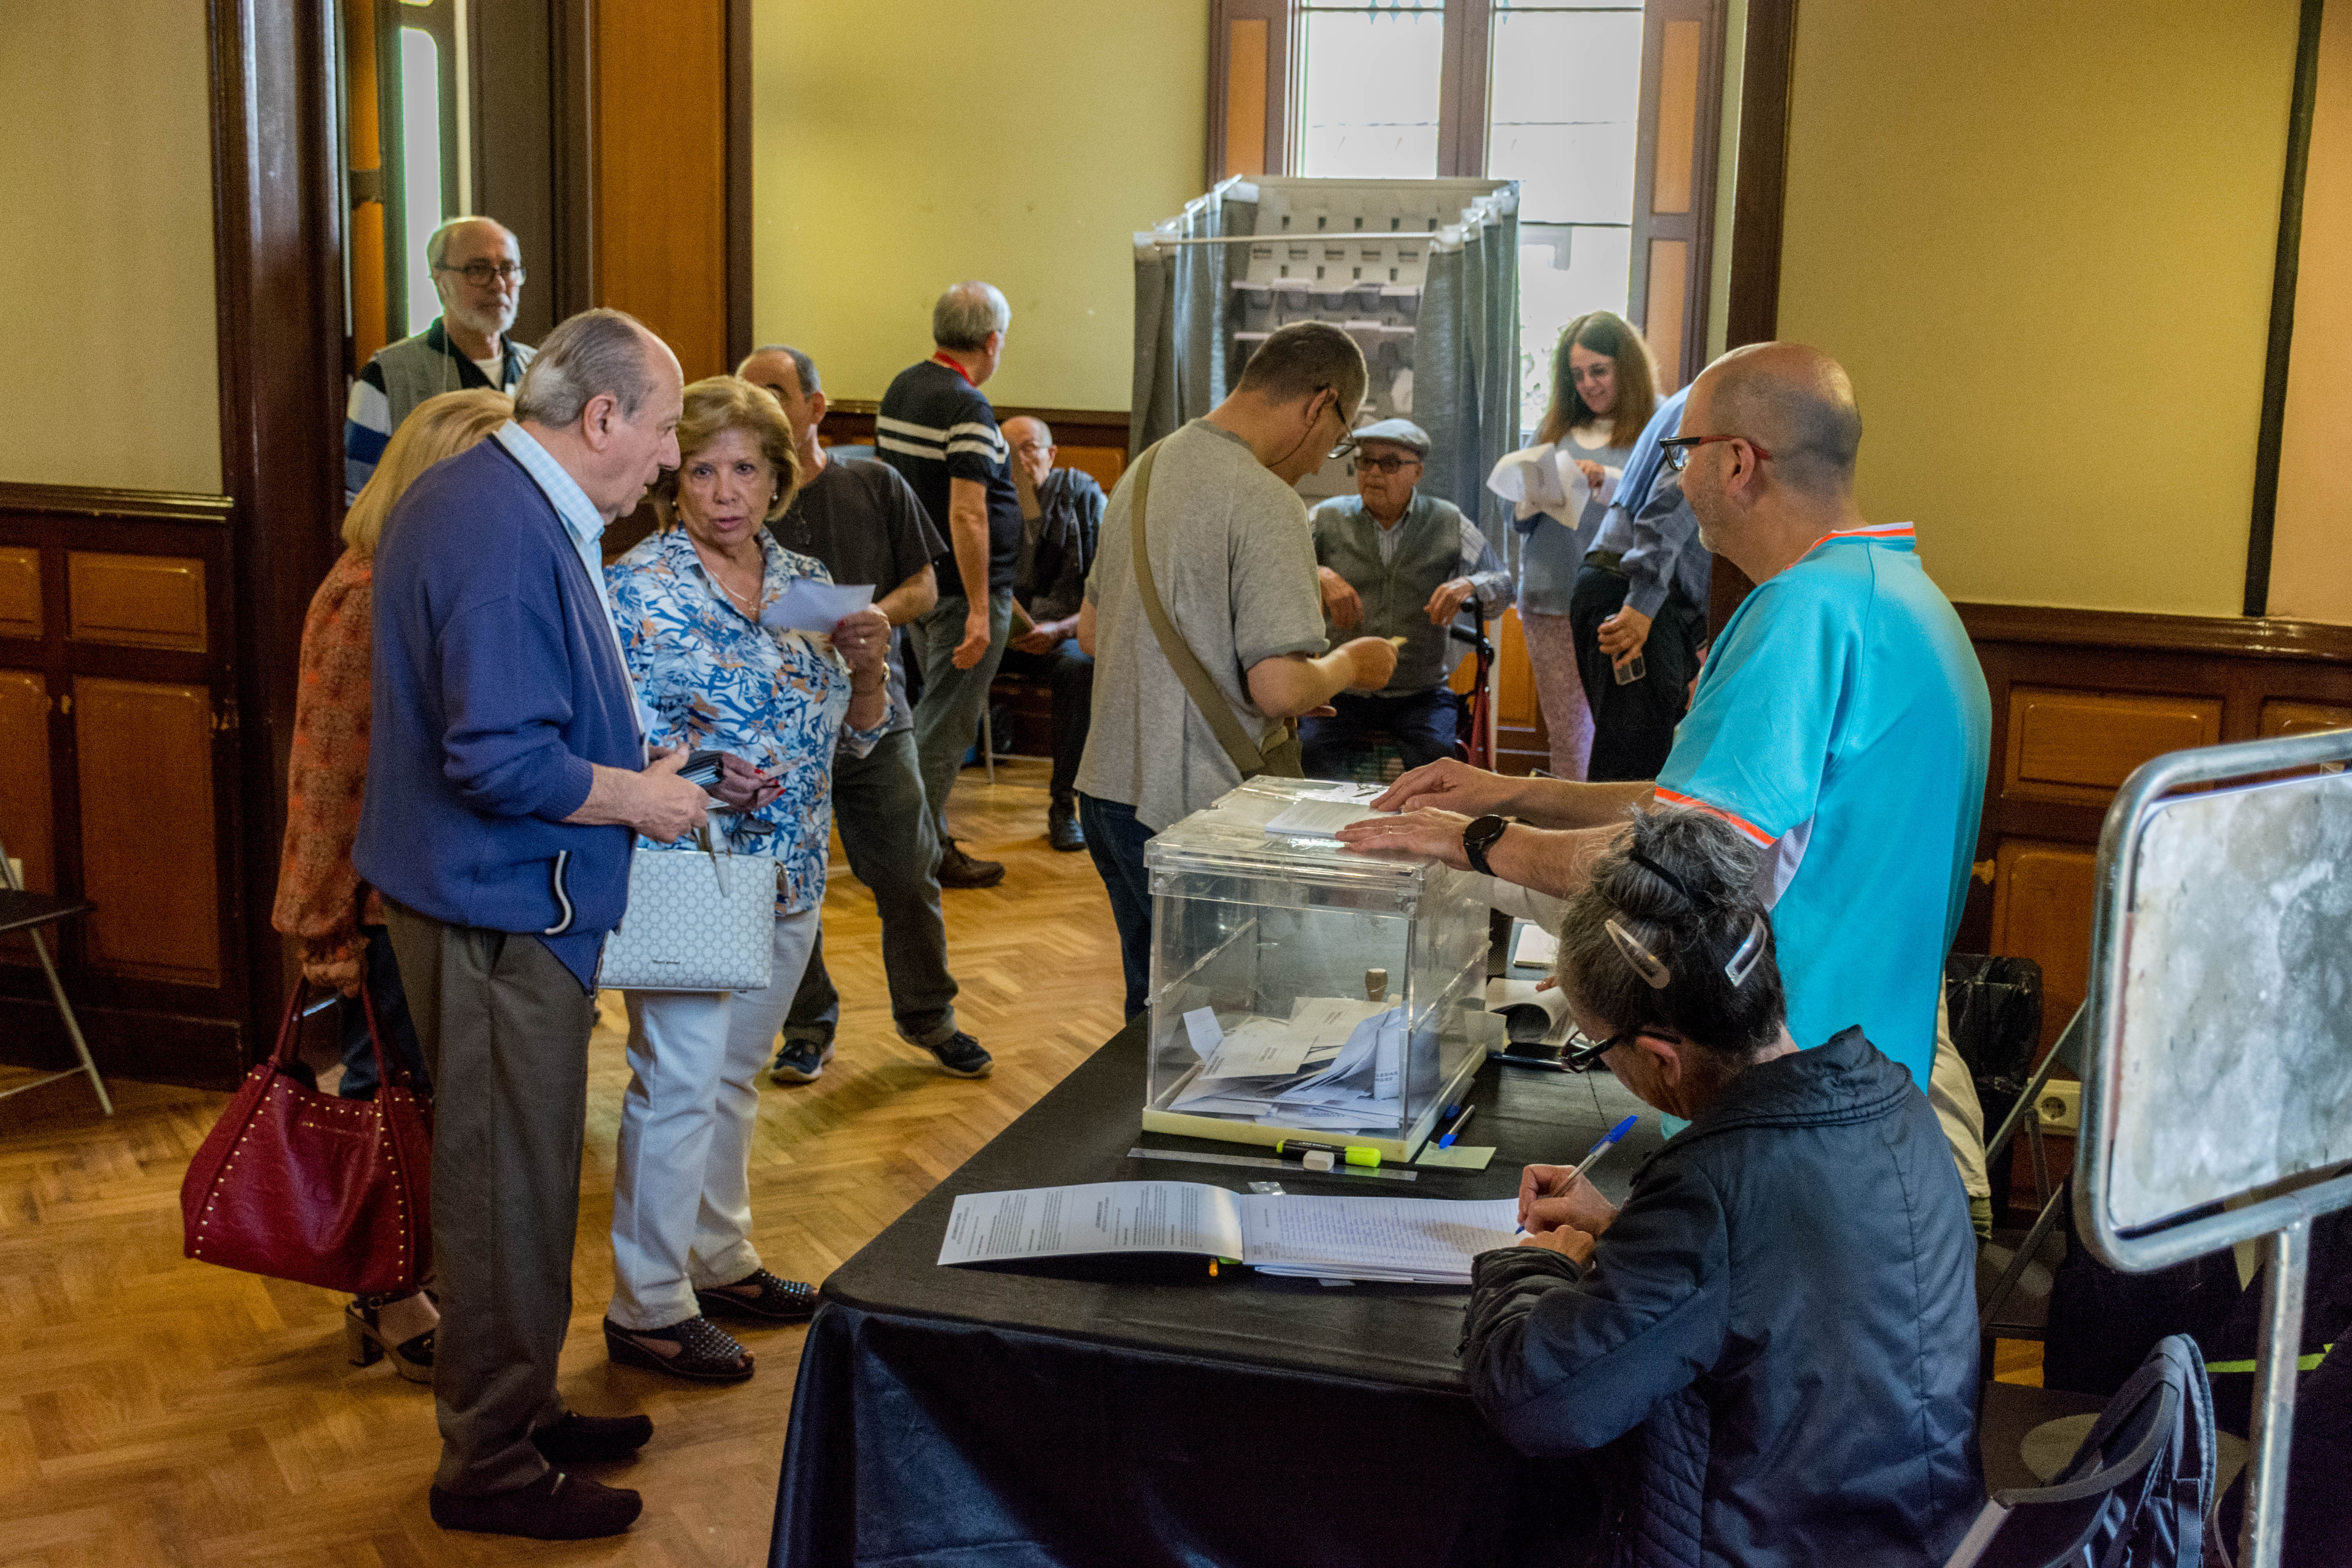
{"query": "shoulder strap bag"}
[(303, 1186), (697, 920), (1283, 758)]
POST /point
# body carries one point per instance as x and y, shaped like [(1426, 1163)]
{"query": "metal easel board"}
[(2219, 1060)]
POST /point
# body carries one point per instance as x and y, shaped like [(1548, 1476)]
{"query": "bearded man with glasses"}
[(476, 266), (1395, 563)]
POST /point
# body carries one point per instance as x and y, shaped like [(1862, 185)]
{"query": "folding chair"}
[(27, 913), (2138, 1490)]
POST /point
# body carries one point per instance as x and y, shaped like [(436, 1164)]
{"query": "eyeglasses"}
[(1676, 449), (480, 273), (1388, 465), (1583, 1052)]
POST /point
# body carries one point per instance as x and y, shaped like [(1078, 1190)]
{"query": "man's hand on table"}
[(1555, 1196), (1449, 783), (1411, 835)]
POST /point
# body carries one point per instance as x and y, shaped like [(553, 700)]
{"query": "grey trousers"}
[(947, 716), (504, 1026), (878, 805)]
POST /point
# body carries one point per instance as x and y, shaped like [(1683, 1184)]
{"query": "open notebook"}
[(1423, 1241)]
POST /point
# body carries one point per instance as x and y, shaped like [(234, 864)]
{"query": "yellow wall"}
[(2311, 560), (2041, 237), (902, 145), (108, 357)]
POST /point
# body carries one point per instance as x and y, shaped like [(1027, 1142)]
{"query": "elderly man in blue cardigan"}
[(506, 776)]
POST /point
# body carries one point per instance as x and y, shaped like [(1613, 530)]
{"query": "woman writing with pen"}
[(1776, 1338), (687, 602)]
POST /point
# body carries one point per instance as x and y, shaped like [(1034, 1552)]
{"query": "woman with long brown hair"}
[(321, 902), (1603, 390)]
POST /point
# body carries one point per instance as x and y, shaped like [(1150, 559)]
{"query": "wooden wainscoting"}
[(2080, 698), (119, 724)]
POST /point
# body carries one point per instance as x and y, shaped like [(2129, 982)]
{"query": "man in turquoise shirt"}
[(1841, 722)]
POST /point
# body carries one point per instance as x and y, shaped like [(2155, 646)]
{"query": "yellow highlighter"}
[(1350, 1154)]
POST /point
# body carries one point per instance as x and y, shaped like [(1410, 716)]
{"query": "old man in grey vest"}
[(1396, 563)]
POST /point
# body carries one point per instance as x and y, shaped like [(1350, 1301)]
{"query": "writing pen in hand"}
[(1608, 1142)]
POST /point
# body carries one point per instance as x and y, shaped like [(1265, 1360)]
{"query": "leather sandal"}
[(778, 1301), (412, 1359), (707, 1352)]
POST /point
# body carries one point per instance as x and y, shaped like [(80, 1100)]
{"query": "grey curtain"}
[(1183, 296)]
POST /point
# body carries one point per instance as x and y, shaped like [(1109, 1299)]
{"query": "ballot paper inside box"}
[(1262, 1026)]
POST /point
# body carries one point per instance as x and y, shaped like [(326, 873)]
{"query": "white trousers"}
[(682, 1183)]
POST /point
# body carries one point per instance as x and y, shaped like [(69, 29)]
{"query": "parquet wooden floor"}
[(156, 1411)]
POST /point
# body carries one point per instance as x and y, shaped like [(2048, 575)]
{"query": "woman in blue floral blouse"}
[(687, 602)]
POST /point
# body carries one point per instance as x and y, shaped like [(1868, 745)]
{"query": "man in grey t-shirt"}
[(1233, 559)]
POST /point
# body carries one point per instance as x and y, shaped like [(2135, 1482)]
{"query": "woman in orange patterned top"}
[(320, 901)]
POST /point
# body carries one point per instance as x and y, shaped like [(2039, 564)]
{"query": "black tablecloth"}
[(1136, 1411)]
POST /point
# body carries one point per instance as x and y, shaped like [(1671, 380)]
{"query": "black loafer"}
[(556, 1506), (580, 1439), (707, 1352), (778, 1301), (1061, 830)]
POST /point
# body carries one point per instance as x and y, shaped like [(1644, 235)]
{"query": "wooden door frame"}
[(279, 271)]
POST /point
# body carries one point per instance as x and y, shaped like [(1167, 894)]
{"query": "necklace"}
[(750, 605)]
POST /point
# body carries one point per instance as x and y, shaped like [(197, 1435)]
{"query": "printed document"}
[(1426, 1241)]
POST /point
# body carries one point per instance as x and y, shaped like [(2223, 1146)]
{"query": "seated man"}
[(1398, 565), (1800, 1368), (1061, 520)]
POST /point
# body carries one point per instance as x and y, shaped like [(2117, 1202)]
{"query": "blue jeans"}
[(1421, 723), (1115, 839), (359, 1081)]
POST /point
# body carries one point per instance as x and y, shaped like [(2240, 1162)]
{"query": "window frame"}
[(1257, 63)]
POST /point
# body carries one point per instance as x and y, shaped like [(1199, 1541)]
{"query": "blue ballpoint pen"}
[(1607, 1140)]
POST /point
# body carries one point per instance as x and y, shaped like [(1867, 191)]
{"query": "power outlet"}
[(2060, 1106)]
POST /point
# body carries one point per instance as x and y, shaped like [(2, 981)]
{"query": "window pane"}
[(420, 153), (1561, 109), (1369, 100), (1562, 100), (1564, 272)]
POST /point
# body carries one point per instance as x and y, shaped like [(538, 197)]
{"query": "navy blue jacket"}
[(1784, 1317), (496, 684)]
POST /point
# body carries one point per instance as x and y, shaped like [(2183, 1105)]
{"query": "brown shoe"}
[(957, 870)]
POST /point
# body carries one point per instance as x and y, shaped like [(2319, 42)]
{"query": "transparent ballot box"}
[(1267, 1020)]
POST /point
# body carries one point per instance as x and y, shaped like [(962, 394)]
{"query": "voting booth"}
[(1423, 274), (1299, 991)]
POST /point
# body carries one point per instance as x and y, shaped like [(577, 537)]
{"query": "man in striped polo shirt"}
[(939, 430), (476, 268), (1840, 723)]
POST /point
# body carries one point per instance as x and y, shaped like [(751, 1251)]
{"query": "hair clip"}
[(1743, 963), (1662, 875), (1645, 962)]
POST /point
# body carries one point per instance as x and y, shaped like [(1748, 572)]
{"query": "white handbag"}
[(701, 921)]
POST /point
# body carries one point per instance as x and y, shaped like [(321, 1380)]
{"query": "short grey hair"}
[(587, 355), (967, 313), (802, 366), (437, 244)]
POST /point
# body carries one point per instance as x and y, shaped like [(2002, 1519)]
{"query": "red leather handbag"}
[(309, 1186)]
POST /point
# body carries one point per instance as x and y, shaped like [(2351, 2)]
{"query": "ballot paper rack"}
[(1263, 1024), (2219, 1064)]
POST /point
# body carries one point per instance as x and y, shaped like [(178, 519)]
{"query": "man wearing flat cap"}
[(1396, 563)]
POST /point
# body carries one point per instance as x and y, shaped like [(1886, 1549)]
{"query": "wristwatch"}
[(1479, 837)]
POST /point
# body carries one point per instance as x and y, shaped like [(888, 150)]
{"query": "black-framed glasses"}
[(1388, 464), (1676, 449), (1582, 1053), (480, 273)]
